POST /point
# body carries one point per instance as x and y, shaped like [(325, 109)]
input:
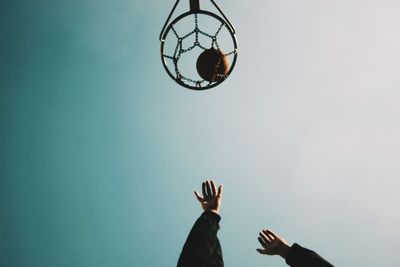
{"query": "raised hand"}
[(272, 244), (211, 199)]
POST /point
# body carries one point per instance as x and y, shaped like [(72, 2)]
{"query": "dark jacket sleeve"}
[(202, 247), (301, 257)]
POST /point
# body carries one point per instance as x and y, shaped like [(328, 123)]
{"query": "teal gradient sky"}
[(100, 150)]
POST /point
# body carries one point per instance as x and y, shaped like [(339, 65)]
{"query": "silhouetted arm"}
[(295, 256), (202, 247), (298, 256)]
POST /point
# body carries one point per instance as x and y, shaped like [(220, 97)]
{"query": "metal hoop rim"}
[(163, 60)]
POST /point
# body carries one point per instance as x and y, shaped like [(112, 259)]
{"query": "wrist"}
[(216, 211), (211, 215), (212, 210), (284, 250)]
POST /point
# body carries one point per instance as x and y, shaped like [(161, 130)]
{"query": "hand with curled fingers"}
[(272, 244), (212, 198)]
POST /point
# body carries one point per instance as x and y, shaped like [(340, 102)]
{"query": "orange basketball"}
[(212, 65)]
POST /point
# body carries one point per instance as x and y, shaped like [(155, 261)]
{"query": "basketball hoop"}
[(183, 50)]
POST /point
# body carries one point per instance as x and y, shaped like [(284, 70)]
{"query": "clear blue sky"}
[(100, 150)]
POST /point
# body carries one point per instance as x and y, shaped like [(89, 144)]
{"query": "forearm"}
[(298, 256), (202, 245)]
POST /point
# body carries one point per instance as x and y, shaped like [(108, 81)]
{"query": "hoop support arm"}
[(194, 5), (166, 22), (223, 15)]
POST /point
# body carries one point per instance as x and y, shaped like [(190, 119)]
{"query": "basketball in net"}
[(198, 48), (212, 65)]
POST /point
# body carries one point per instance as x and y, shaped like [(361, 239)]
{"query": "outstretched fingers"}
[(211, 197), (203, 187), (261, 251), (270, 234), (213, 188), (199, 198), (208, 189), (220, 189), (264, 243), (265, 238)]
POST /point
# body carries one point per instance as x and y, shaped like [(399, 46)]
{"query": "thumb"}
[(199, 198), (220, 190), (261, 251)]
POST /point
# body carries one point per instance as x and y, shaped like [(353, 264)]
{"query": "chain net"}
[(179, 51)]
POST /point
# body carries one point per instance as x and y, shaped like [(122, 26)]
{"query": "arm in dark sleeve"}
[(202, 247), (301, 257)]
